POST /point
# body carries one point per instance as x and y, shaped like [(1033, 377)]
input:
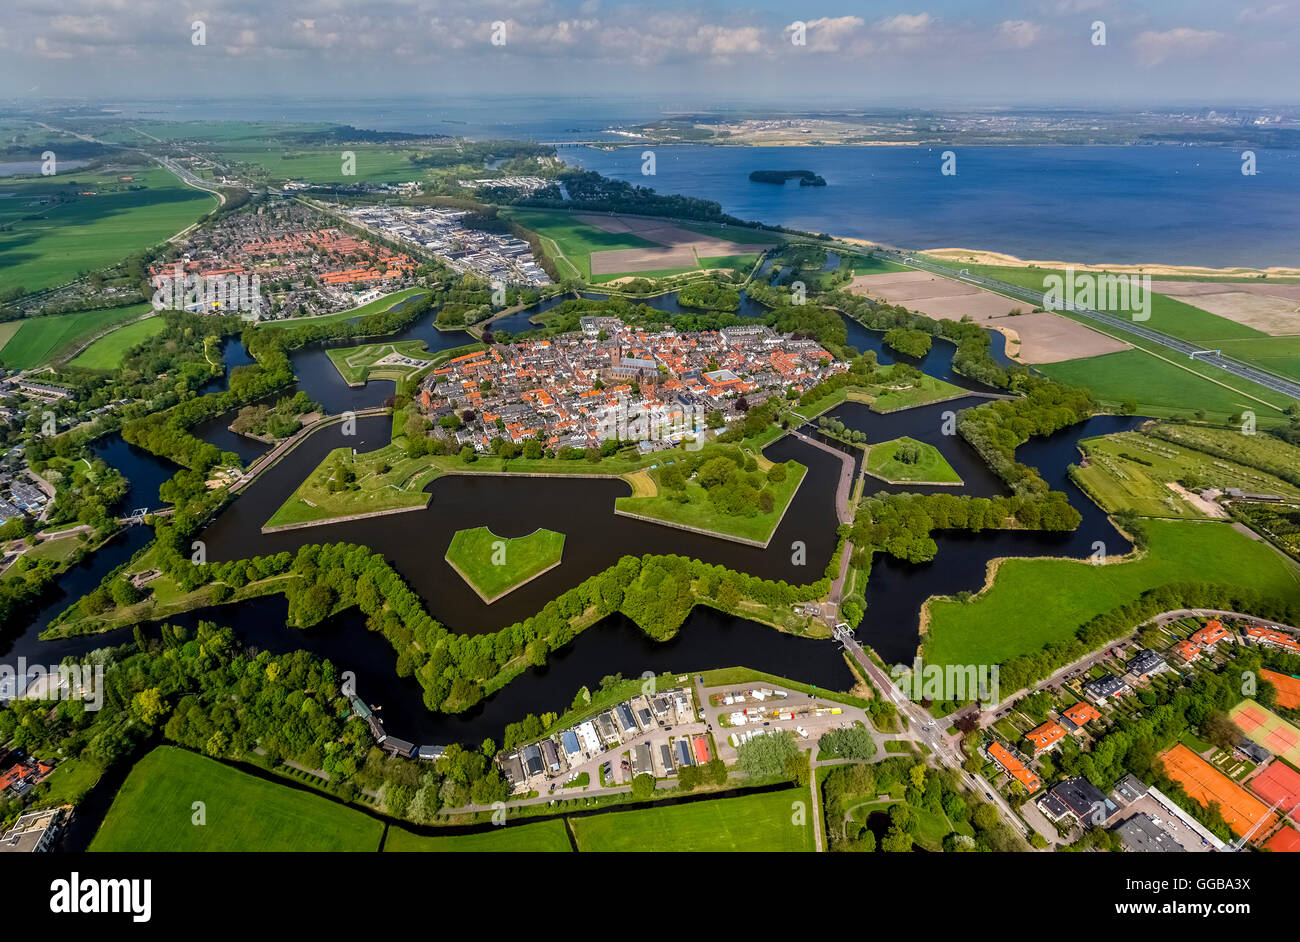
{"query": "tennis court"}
[(1241, 810), (1268, 729), (1288, 688), (1279, 782)]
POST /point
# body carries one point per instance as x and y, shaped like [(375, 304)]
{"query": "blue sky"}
[(939, 52)]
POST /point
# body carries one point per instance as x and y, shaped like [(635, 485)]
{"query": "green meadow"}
[(38, 340), (1025, 608), (494, 565), (759, 822), (533, 837), (58, 228), (106, 353), (154, 811)]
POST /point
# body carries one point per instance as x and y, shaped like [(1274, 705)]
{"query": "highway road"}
[(1228, 364)]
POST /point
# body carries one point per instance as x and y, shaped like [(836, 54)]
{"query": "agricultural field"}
[(929, 467), (760, 822), (1134, 471), (698, 512), (36, 341), (532, 837), (57, 228), (1024, 608), (598, 249), (344, 484), (153, 811), (107, 352), (495, 566)]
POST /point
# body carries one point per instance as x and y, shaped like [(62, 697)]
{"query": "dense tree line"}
[(204, 691)]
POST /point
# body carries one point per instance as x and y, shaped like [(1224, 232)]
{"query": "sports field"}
[(55, 229), (1205, 784), (1288, 688), (495, 566), (1026, 609), (154, 811), (1278, 782), (532, 837), (929, 468), (1269, 730), (39, 340), (106, 353), (762, 822)]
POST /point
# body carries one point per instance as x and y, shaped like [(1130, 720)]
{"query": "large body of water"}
[(1173, 205)]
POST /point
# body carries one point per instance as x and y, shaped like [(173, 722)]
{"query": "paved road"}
[(925, 729), (844, 489), (1226, 363)]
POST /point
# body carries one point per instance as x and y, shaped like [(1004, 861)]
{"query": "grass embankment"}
[(357, 365), (930, 467), (1025, 609), (381, 480), (107, 352), (154, 811), (495, 566), (884, 396), (547, 836), (377, 306), (699, 513)]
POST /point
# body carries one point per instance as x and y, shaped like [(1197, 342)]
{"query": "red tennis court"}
[(1278, 782)]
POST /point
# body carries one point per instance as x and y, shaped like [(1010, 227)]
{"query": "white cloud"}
[(1154, 47), (908, 23), (1019, 33)]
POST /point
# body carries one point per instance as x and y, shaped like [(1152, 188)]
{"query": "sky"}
[(691, 55)]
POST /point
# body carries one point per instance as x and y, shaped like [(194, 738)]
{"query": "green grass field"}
[(698, 512), (1026, 608), (55, 231), (1160, 388), (38, 340), (547, 836), (154, 811), (761, 822), (357, 365), (494, 566), (931, 467), (107, 352)]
